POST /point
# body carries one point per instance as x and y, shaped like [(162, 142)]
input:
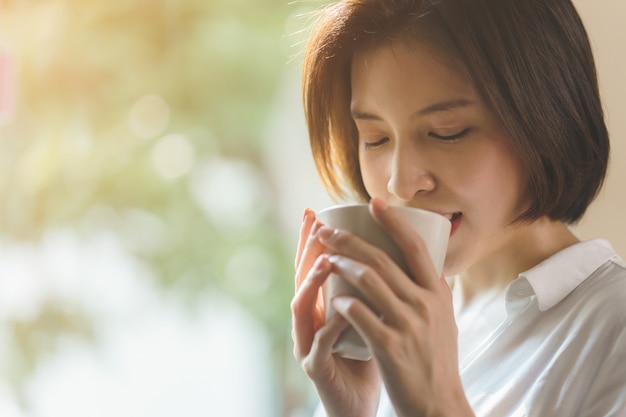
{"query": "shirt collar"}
[(556, 277)]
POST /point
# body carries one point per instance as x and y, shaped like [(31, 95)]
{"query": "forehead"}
[(411, 71)]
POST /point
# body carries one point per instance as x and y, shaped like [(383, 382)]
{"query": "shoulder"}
[(587, 288), (608, 282), (575, 275), (601, 299)]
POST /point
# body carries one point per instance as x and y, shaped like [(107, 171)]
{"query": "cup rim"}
[(351, 206)]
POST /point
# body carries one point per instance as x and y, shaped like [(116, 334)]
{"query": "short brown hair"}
[(530, 61)]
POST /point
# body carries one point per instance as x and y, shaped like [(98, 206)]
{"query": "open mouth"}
[(455, 219), (454, 216)]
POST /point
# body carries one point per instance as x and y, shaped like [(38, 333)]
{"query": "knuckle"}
[(426, 307), (299, 354), (296, 306), (296, 353), (365, 277), (310, 363), (321, 337), (341, 238), (308, 366), (386, 345), (419, 303), (380, 259)]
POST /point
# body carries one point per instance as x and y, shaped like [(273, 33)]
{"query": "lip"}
[(456, 221), (455, 218)]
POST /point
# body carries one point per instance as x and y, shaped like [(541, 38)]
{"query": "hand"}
[(345, 387), (413, 338)]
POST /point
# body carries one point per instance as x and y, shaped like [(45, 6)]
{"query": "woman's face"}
[(427, 140)]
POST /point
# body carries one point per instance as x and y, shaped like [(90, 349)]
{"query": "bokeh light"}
[(149, 116), (232, 193), (173, 156)]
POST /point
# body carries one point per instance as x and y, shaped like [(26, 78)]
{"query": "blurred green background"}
[(145, 268)]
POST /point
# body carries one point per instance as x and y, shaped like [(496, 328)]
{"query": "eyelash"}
[(376, 143), (450, 138)]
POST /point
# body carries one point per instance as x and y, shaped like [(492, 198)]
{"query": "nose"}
[(409, 176)]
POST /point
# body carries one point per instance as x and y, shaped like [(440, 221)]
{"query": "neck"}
[(527, 246)]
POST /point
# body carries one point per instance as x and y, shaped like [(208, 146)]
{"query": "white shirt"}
[(554, 344)]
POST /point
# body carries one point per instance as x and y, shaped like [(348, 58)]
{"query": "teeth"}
[(453, 216)]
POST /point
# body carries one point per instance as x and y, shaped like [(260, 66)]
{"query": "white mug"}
[(432, 227)]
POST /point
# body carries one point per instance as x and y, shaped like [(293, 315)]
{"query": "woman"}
[(487, 112)]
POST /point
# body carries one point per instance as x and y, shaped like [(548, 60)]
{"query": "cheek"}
[(374, 175), (496, 186)]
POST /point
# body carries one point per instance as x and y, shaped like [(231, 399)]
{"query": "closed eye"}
[(376, 143), (450, 137)]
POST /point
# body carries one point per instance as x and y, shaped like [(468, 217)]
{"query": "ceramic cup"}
[(432, 227)]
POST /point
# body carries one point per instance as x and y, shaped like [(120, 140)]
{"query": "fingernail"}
[(320, 263), (326, 233), (382, 205), (340, 303), (333, 259), (314, 229), (306, 214)]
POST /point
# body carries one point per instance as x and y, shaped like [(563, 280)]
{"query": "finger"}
[(305, 317), (411, 244), (312, 249), (367, 324), (374, 289), (323, 342), (308, 218), (351, 246)]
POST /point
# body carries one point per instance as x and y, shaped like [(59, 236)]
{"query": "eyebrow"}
[(433, 108)]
